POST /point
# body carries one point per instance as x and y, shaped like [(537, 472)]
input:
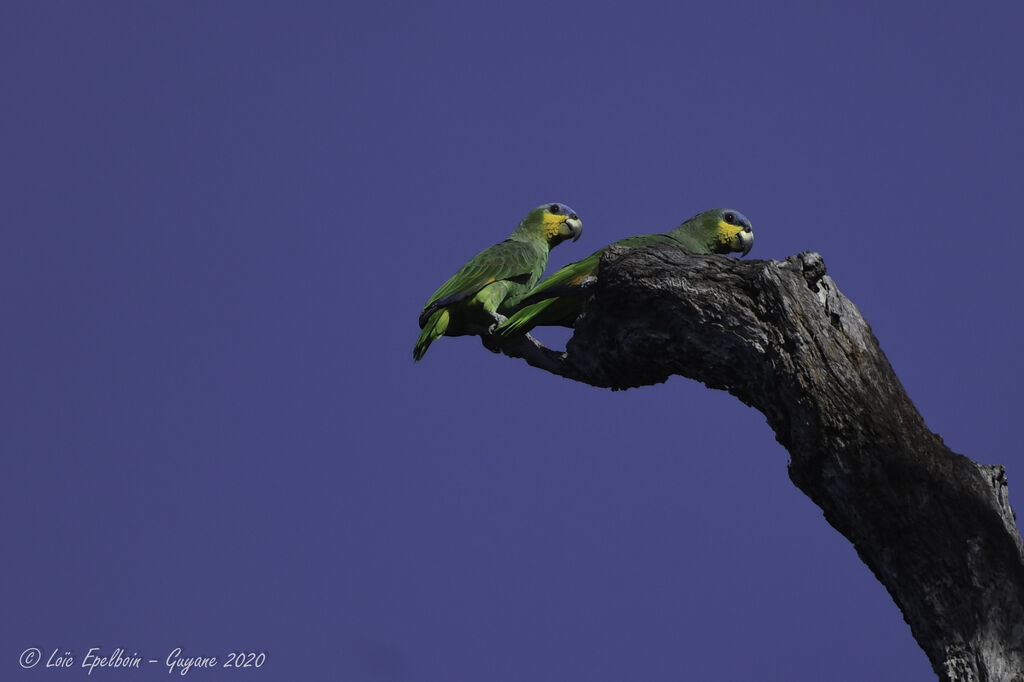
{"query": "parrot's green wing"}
[(470, 299), (510, 260)]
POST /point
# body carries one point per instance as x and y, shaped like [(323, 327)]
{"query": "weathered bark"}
[(935, 527)]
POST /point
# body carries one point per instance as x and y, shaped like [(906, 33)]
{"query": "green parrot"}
[(476, 298), (560, 298)]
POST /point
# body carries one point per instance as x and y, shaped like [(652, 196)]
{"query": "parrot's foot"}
[(499, 320), (491, 341)]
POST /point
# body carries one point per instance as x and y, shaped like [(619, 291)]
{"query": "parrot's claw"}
[(492, 341), (499, 320)]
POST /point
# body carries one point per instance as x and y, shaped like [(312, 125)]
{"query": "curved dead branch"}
[(935, 527)]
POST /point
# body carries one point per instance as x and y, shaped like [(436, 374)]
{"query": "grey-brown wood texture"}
[(935, 527)]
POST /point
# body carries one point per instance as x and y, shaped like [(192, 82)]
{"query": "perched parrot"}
[(475, 298), (560, 298)]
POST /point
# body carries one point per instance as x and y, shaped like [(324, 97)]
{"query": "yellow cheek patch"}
[(552, 225), (727, 232)]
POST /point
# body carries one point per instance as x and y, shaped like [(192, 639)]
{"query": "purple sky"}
[(220, 221)]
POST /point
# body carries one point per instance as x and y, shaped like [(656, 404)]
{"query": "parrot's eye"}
[(730, 218), (554, 209)]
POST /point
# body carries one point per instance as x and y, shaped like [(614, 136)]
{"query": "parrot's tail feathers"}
[(524, 320), (433, 329)]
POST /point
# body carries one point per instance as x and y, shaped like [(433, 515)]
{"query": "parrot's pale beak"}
[(575, 226), (745, 241)]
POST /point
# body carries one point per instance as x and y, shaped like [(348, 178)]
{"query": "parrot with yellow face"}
[(560, 298), (494, 281)]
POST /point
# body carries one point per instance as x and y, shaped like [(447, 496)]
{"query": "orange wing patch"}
[(578, 281)]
